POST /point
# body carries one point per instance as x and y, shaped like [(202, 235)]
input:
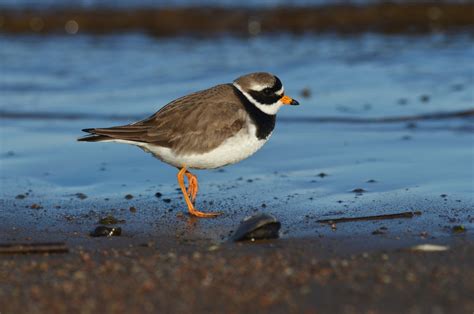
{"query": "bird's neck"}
[(265, 123)]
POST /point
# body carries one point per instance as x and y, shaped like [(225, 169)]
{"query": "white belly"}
[(240, 146)]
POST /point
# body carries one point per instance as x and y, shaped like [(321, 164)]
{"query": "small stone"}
[(459, 229), (359, 191), (213, 248), (128, 196), (167, 200), (20, 196), (103, 231), (379, 231), (81, 196), (158, 194), (133, 209), (259, 226), (371, 181), (429, 248)]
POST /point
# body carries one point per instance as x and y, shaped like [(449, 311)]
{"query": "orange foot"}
[(191, 192)]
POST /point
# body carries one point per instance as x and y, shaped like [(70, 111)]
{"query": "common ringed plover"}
[(208, 129)]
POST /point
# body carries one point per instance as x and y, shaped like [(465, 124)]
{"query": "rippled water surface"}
[(356, 77)]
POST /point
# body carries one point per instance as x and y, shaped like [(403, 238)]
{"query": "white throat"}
[(268, 109)]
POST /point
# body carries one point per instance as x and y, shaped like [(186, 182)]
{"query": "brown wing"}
[(195, 123)]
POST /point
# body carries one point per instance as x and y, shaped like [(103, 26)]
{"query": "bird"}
[(208, 129)]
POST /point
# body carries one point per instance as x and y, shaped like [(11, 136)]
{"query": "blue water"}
[(356, 77)]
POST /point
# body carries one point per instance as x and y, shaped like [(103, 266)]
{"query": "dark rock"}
[(381, 230), (459, 229), (103, 231), (20, 196), (81, 196), (128, 196), (359, 191), (167, 200), (322, 175), (378, 231), (158, 194), (259, 226), (371, 181)]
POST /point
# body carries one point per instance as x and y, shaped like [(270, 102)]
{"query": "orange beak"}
[(289, 101)]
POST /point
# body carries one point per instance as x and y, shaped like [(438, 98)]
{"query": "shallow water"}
[(133, 75)]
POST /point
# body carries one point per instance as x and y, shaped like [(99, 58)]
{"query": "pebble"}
[(259, 226), (103, 231), (81, 196)]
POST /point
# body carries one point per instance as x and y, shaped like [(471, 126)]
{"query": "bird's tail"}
[(93, 137)]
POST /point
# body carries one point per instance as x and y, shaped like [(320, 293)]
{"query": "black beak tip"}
[(294, 103)]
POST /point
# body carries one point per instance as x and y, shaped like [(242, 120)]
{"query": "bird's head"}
[(265, 91)]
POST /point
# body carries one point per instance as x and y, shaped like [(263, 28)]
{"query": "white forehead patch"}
[(261, 87), (280, 91)]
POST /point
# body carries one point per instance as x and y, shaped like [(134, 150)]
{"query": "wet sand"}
[(166, 261), (180, 268)]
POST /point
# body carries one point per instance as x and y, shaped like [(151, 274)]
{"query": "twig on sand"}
[(365, 218), (30, 248)]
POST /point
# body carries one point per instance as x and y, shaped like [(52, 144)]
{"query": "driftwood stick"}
[(31, 248), (366, 218)]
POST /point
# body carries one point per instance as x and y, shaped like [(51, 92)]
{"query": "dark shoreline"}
[(209, 21)]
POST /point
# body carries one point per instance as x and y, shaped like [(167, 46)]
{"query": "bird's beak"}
[(289, 101)]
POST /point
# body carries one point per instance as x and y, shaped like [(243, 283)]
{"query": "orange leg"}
[(193, 186), (192, 190)]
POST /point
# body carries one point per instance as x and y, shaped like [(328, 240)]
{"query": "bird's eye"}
[(267, 91)]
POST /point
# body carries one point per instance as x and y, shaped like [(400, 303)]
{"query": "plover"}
[(208, 129)]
